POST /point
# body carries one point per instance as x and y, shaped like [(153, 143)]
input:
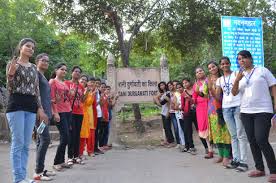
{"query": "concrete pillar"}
[(164, 69), (111, 81)]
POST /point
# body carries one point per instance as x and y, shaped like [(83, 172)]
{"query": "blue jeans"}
[(43, 142), (175, 126), (21, 124), (237, 132)]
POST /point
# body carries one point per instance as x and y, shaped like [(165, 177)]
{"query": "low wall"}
[(4, 128)]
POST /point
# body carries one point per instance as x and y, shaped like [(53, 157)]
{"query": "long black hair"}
[(58, 66), (159, 87), (245, 54), (216, 64), (39, 56), (22, 43), (225, 58)]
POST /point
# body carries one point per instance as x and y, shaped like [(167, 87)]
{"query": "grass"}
[(147, 110)]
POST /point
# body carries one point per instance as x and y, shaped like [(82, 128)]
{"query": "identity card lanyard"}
[(248, 78), (227, 85)]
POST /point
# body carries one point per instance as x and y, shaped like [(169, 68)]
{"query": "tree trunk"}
[(125, 50), (140, 128)]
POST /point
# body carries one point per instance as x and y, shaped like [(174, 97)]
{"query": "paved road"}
[(158, 165)]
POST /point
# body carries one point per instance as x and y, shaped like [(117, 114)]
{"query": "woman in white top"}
[(254, 85), (162, 100), (231, 114)]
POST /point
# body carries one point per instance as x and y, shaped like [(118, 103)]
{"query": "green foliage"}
[(147, 110), (25, 18), (186, 31)]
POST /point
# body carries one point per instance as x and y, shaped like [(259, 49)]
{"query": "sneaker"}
[(42, 177), (232, 165), (49, 173), (192, 151), (242, 167)]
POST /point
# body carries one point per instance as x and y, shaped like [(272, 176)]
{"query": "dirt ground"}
[(154, 133)]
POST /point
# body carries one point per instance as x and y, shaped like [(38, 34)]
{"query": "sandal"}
[(225, 162), (79, 161), (219, 160), (57, 168), (272, 178), (65, 165), (256, 173), (70, 162), (210, 155)]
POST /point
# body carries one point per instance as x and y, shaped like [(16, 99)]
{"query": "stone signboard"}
[(135, 85)]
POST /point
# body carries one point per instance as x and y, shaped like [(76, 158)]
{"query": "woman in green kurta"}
[(218, 133)]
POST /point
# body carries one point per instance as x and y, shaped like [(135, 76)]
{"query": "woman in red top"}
[(76, 92), (105, 119), (61, 108), (189, 112)]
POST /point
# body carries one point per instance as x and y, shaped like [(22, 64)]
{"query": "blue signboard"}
[(242, 33)]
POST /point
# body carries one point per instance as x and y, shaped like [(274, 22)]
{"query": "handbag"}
[(75, 97), (221, 120)]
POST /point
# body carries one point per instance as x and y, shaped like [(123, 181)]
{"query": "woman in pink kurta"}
[(200, 98), (201, 110)]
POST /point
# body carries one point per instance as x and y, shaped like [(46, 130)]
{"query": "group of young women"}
[(228, 109), (80, 108)]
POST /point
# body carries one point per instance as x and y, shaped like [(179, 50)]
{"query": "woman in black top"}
[(23, 104)]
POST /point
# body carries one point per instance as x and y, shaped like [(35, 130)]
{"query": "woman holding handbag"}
[(76, 92), (61, 109)]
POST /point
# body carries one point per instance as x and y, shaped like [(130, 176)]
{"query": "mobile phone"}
[(41, 127)]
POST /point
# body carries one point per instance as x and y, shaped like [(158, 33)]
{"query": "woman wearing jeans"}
[(43, 140), (231, 114), (61, 108), (254, 85), (23, 104), (162, 100)]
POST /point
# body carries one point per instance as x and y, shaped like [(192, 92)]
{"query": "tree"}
[(99, 16), (19, 19)]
